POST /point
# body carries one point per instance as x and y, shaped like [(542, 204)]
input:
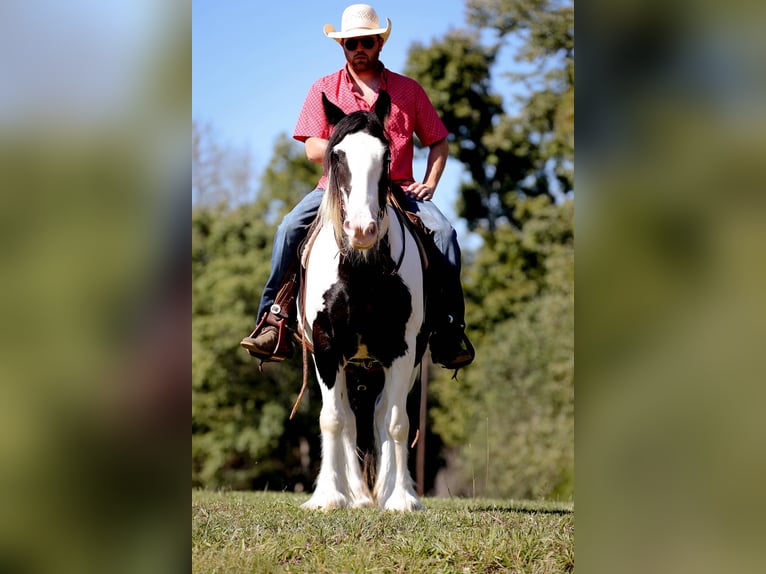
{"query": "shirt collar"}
[(383, 76)]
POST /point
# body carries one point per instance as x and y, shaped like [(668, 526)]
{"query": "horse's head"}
[(356, 163)]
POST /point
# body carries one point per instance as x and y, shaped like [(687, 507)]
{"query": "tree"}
[(509, 157), (220, 174), (544, 30), (515, 269), (241, 436), (514, 428), (512, 434)]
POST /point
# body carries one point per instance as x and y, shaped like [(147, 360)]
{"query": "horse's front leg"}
[(332, 489), (357, 485), (394, 488)]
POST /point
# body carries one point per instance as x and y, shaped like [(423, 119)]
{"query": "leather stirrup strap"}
[(280, 315)]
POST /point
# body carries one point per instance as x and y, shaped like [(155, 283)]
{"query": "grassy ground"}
[(268, 532)]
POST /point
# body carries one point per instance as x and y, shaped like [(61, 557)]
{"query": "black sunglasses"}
[(367, 43)]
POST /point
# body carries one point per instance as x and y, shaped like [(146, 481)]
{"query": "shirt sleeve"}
[(311, 121), (428, 127)]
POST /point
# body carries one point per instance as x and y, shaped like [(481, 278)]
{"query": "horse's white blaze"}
[(364, 157)]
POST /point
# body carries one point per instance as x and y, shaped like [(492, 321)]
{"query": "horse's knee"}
[(331, 421), (399, 432), (399, 425)]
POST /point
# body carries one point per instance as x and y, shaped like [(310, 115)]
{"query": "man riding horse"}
[(355, 87)]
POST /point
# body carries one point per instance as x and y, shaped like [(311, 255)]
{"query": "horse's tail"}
[(364, 386)]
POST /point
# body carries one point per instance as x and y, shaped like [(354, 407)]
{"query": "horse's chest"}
[(369, 300), (368, 310)]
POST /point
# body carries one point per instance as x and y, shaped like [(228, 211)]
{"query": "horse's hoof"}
[(326, 501), (364, 502), (402, 501)]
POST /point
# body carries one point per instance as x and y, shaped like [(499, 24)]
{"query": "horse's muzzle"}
[(361, 236)]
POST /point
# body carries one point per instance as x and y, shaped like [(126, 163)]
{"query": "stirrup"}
[(456, 340), (284, 347)]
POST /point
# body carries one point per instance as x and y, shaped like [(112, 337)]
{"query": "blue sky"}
[(254, 61)]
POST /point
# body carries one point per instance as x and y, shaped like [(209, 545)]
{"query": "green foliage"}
[(514, 266), (241, 436), (547, 25), (455, 72), (227, 408), (510, 417), (450, 536), (508, 156), (544, 31)]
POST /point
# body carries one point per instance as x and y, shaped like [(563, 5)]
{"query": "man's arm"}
[(437, 159), (315, 148)]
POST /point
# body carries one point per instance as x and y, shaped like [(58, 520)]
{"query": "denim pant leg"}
[(289, 235), (445, 235)]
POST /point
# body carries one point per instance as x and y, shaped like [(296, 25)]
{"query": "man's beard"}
[(363, 63)]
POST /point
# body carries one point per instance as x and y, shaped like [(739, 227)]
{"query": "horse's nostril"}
[(360, 230)]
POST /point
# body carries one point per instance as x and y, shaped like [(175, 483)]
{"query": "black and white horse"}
[(363, 306)]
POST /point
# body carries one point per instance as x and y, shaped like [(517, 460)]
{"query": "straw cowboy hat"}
[(358, 20)]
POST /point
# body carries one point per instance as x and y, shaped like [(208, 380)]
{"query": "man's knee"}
[(445, 232), (435, 220), (301, 216), (290, 221), (293, 228)]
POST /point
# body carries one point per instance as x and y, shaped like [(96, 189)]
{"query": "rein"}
[(304, 343), (404, 243)]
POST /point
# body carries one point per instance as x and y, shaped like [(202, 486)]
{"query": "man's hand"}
[(419, 191)]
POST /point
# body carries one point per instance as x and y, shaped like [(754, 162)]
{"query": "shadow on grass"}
[(524, 509)]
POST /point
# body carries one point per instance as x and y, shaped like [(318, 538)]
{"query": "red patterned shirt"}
[(411, 112)]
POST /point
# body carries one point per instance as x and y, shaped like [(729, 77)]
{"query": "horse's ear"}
[(383, 106), (332, 112)]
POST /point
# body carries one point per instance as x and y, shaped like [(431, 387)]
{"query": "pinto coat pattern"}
[(363, 304)]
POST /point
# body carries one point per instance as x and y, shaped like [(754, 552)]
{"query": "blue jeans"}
[(294, 228)]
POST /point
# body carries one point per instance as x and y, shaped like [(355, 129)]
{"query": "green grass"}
[(268, 532)]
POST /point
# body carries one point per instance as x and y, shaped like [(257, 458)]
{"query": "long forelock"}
[(331, 208)]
